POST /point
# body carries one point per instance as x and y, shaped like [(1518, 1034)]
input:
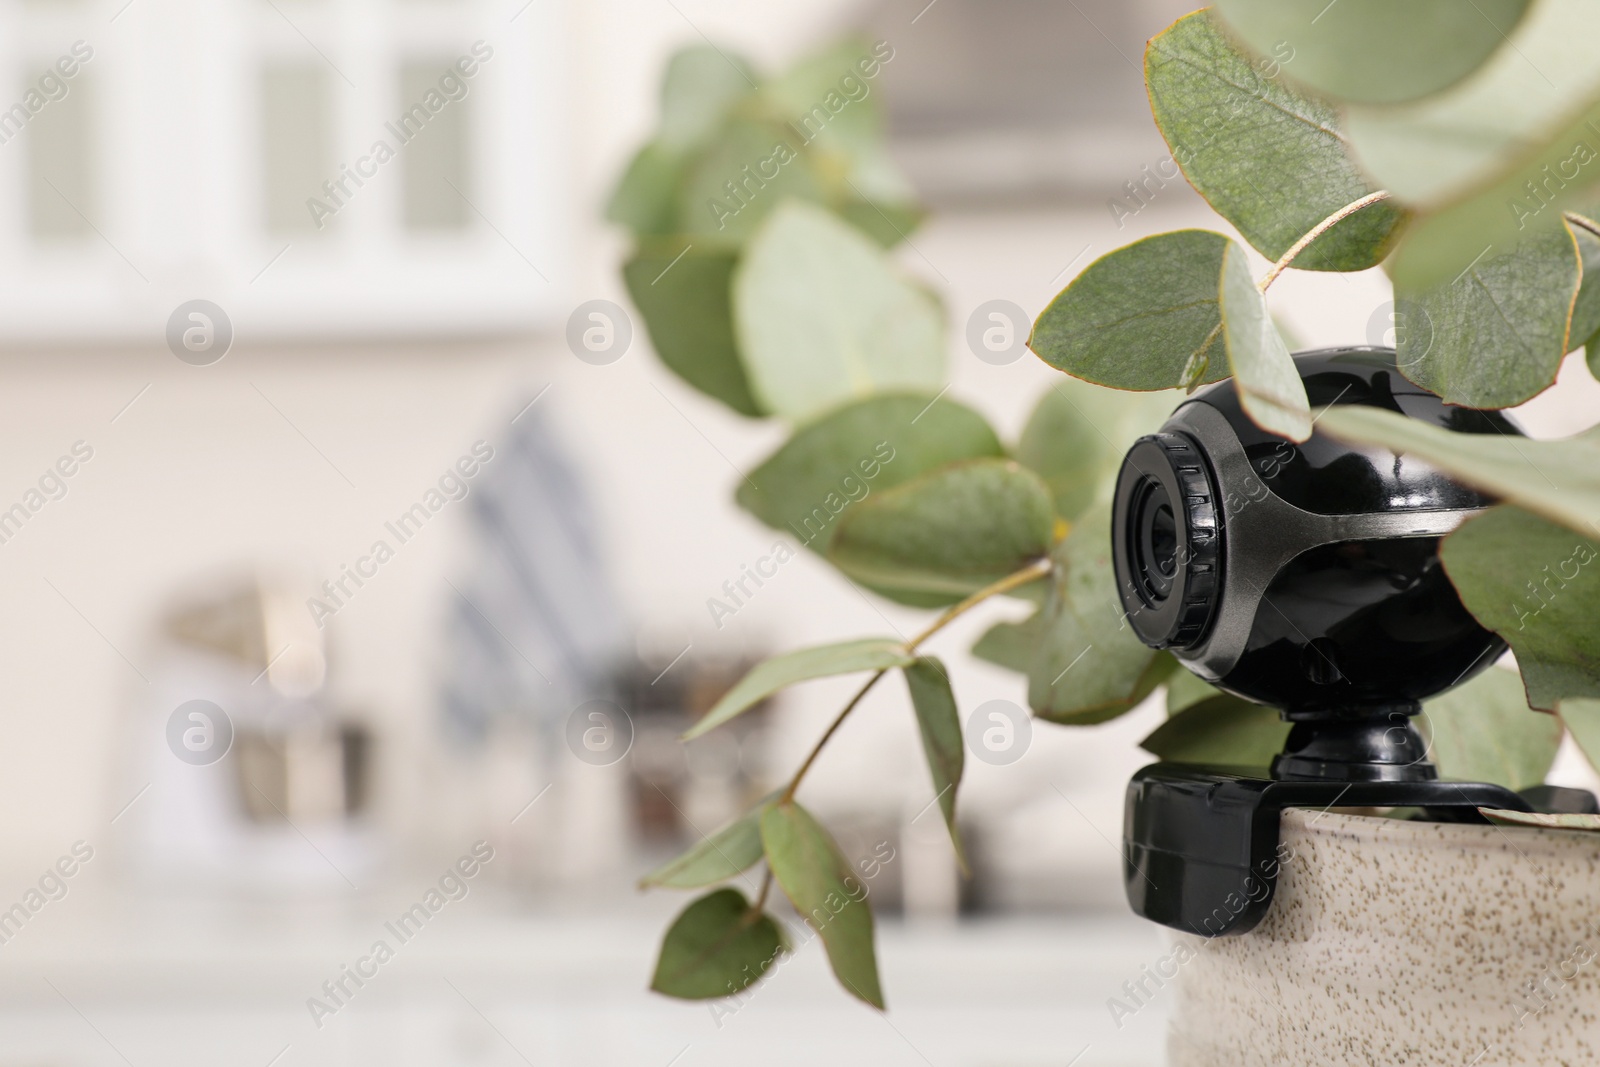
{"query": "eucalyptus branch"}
[(766, 888), (1317, 231), (1033, 571), (1583, 222)]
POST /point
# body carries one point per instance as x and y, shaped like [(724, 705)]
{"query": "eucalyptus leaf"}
[(1268, 158), (1077, 435), (1537, 585), (1559, 480), (1185, 689), (939, 723), (1089, 666), (1484, 731), (701, 87), (1222, 731), (780, 672), (1523, 199), (1367, 51), (1495, 335), (646, 197), (865, 447), (1542, 820), (1269, 385), (952, 531), (1586, 308), (819, 883), (716, 947), (823, 316), (1442, 148), (1581, 717), (744, 177), (832, 103), (1142, 317), (732, 849), (682, 294), (1013, 645)]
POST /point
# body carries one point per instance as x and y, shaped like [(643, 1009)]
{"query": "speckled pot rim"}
[(1394, 941), (1374, 829)]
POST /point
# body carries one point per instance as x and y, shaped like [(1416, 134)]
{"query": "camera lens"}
[(1155, 535), (1165, 542)]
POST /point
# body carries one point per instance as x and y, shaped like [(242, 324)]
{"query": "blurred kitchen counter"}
[(124, 979)]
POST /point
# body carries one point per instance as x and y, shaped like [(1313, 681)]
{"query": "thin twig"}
[(1317, 231), (766, 887), (1033, 571), (1583, 222)]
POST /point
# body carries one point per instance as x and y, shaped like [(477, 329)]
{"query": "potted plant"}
[(1455, 145)]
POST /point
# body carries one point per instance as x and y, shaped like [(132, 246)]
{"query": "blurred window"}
[(59, 140), (296, 142), (437, 158)]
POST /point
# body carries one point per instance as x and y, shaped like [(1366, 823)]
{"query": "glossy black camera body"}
[(1305, 577)]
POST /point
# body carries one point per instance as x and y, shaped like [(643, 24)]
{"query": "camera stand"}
[(1200, 843)]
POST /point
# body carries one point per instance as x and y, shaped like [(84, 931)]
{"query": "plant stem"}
[(1583, 222), (1317, 231), (1037, 569), (761, 898)]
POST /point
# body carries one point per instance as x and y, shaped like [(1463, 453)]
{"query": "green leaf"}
[(1367, 51), (702, 86), (823, 316), (646, 197), (734, 848), (1268, 158), (1586, 308), (682, 294), (1223, 731), (1581, 717), (742, 179), (830, 100), (887, 224), (822, 888), (1537, 586), (863, 448), (1013, 645), (1089, 666), (1454, 145), (1484, 732), (780, 672), (1078, 434), (1142, 317), (1559, 480), (1492, 219), (716, 947), (940, 726), (1494, 336), (952, 532), (1185, 689), (1269, 386), (1541, 820)]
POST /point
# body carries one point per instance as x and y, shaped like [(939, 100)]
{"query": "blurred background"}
[(333, 574)]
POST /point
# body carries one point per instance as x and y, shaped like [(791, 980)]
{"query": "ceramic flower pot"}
[(1411, 943)]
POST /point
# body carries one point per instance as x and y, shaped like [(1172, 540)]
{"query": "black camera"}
[(1305, 577)]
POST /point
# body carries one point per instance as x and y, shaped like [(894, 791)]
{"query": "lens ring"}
[(1166, 541)]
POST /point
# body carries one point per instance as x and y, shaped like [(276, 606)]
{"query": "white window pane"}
[(435, 102), (58, 137), (296, 143)]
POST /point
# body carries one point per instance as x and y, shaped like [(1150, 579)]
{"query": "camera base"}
[(1200, 844)]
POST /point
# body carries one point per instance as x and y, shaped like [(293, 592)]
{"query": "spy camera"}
[(1305, 577)]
